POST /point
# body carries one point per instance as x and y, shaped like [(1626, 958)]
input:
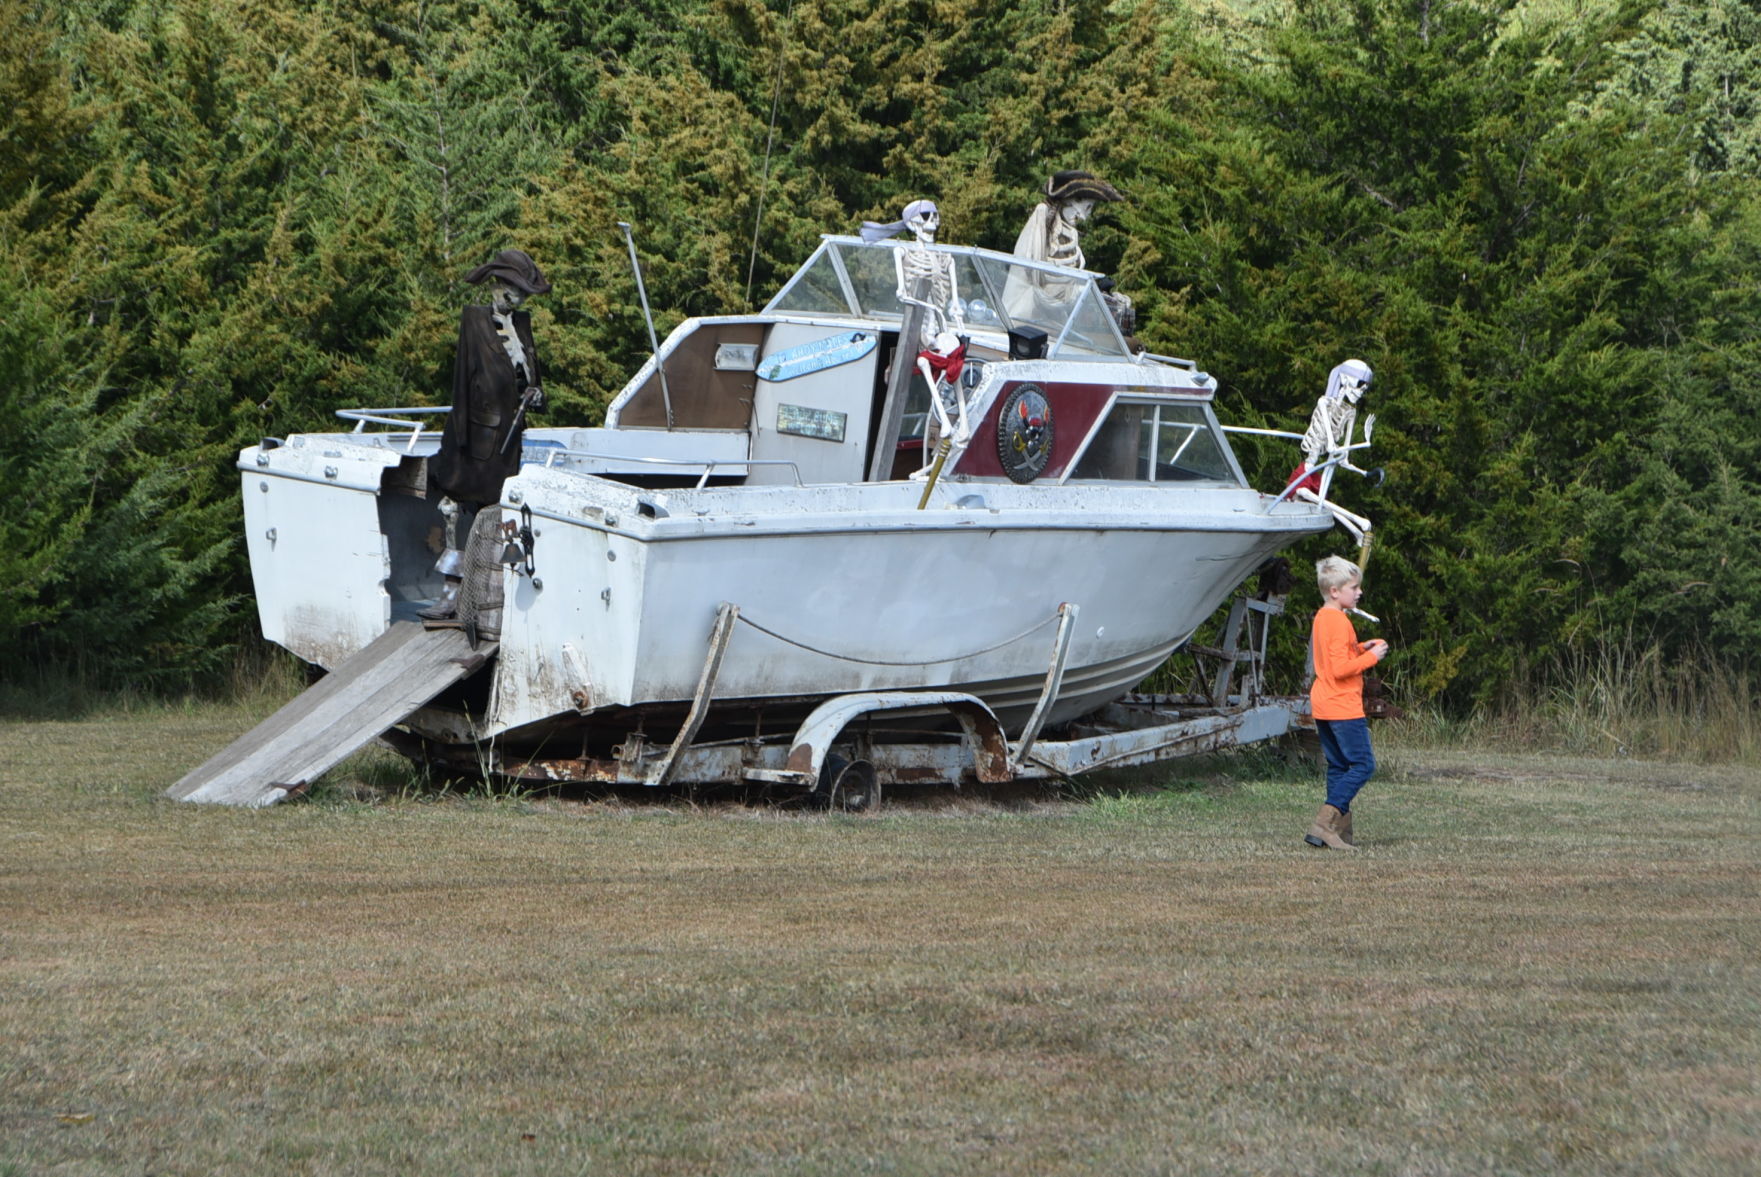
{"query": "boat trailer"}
[(842, 754), (846, 751)]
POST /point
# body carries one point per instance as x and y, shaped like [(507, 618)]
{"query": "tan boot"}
[(1323, 835), (1342, 827)]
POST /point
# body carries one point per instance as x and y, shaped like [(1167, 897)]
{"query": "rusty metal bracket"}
[(712, 666), (1230, 653), (1054, 680)]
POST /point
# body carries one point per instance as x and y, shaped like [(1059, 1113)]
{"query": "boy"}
[(1337, 699)]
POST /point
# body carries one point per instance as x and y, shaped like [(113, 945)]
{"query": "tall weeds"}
[(256, 675), (1619, 698)]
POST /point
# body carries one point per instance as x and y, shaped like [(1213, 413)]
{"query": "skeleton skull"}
[(505, 298), (1076, 211), (1352, 380), (923, 219)]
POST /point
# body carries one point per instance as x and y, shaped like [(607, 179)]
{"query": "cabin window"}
[(1157, 441), (816, 289)]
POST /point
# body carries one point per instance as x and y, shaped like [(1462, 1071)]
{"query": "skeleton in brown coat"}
[(496, 380)]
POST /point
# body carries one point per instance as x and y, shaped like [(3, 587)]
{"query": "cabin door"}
[(814, 416)]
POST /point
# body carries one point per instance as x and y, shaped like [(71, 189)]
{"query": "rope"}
[(882, 662)]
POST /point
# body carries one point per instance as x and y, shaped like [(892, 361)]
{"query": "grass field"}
[(1536, 965)]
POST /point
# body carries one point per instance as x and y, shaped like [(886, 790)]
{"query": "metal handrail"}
[(362, 417), (1261, 432), (1329, 464), (709, 464)]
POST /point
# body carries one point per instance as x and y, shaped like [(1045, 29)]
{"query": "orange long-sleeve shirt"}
[(1340, 662)]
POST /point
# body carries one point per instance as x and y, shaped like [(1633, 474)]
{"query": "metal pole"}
[(666, 395)]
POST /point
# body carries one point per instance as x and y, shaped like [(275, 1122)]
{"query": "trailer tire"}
[(848, 785)]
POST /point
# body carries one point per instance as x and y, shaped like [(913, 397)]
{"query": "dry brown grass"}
[(1537, 966)]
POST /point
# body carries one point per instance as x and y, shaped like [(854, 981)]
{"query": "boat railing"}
[(1170, 361), (710, 465), (364, 417), (1261, 432)]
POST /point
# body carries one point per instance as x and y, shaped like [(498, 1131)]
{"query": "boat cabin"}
[(801, 389)]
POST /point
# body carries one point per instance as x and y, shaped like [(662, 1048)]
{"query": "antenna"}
[(666, 395)]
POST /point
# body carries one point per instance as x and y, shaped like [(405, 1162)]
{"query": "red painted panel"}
[(1074, 410)]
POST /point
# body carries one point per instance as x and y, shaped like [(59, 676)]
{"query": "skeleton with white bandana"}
[(1327, 445)]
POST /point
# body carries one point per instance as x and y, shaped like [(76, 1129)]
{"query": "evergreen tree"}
[(227, 218), (1435, 192)]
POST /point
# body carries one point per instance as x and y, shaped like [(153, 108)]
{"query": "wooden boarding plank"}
[(348, 716), (369, 695), (394, 675), (344, 722), (297, 709), (419, 680), (352, 699), (314, 701)]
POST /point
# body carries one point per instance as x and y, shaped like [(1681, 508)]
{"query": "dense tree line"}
[(222, 219)]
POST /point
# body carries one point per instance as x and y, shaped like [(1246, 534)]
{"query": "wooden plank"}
[(886, 438), (397, 673), (296, 710), (294, 747)]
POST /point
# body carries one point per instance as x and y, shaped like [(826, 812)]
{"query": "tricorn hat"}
[(514, 267), (1064, 187)]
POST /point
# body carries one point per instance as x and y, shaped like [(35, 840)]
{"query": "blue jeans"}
[(1346, 745)]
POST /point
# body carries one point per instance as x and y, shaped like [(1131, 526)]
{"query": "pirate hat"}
[(514, 267), (1064, 187)]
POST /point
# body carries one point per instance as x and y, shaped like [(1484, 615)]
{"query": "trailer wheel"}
[(849, 785)]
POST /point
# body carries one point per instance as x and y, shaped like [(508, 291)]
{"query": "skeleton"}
[(1327, 445), (943, 313), (941, 351), (940, 366), (496, 382), (1053, 234)]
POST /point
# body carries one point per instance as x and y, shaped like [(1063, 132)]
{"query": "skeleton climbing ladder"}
[(342, 712)]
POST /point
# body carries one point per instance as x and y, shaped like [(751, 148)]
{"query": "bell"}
[(511, 554)]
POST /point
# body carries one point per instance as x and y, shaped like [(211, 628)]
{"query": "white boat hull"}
[(851, 589), (745, 539), (840, 588)]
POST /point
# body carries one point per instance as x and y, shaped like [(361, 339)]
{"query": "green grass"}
[(1538, 964)]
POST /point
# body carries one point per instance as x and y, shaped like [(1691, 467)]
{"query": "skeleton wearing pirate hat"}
[(496, 380)]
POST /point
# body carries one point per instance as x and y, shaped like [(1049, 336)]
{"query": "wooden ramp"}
[(401, 670)]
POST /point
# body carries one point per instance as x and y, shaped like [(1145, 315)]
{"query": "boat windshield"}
[(847, 276), (1158, 441)]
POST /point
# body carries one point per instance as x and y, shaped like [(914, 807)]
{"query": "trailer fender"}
[(984, 734)]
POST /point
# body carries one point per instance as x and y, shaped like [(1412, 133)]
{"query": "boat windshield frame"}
[(847, 277), (1213, 429)]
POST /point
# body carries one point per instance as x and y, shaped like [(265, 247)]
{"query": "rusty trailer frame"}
[(1135, 731), (848, 738)]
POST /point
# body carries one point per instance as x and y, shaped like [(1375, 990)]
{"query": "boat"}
[(751, 533)]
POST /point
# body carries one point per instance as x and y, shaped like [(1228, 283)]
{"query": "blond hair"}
[(1336, 572)]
